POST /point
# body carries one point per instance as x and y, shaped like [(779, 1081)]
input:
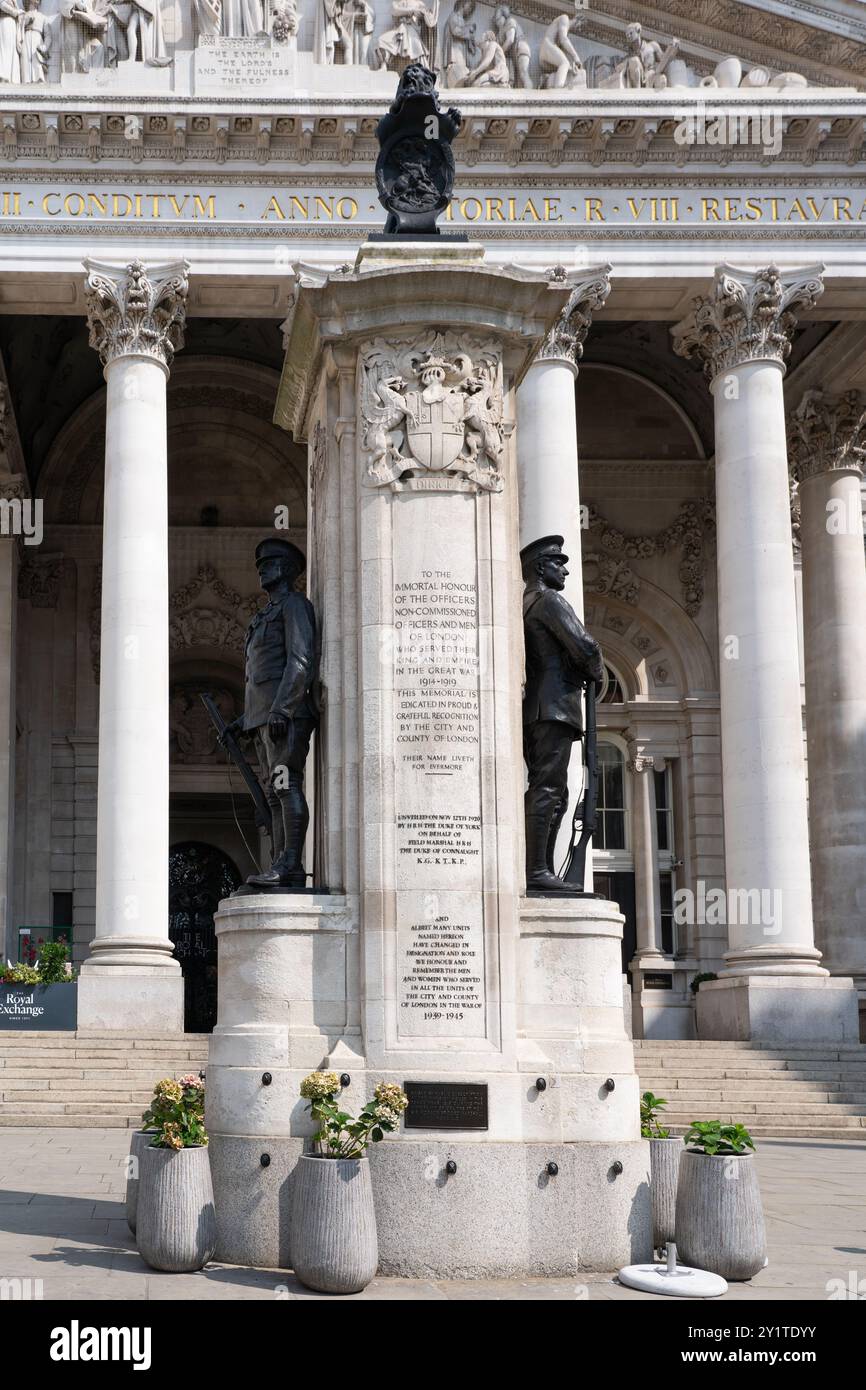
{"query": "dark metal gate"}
[(199, 875)]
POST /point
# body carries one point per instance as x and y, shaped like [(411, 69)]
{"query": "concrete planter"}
[(139, 1141), (176, 1226), (333, 1231), (719, 1216), (665, 1155)]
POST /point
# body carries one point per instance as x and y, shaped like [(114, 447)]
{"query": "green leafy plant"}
[(650, 1106), (712, 1137), (176, 1113), (53, 963), (19, 975), (340, 1135), (698, 980)]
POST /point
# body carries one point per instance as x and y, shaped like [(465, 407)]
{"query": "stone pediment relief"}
[(276, 48)]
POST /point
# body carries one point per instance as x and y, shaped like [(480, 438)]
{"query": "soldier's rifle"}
[(232, 747), (586, 810)]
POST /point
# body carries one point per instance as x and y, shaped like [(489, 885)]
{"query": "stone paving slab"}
[(62, 1221)]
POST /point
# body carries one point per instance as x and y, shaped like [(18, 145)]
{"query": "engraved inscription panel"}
[(437, 766)]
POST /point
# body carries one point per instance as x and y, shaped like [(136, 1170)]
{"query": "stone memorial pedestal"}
[(500, 1015)]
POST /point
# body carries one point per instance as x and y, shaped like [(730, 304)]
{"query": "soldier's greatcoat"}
[(281, 662), (560, 657)]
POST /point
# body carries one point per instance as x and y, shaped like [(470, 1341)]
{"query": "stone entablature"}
[(516, 131)]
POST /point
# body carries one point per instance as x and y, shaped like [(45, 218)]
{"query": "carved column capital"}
[(748, 317), (827, 432), (639, 759), (566, 338), (135, 312)]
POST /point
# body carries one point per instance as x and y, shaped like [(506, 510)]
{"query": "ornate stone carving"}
[(433, 406), (748, 317), (192, 736), (415, 165), (136, 312), (568, 335), (459, 49), (688, 533), (639, 760), (605, 575), (195, 620), (491, 70), (39, 579), (827, 432), (15, 485)]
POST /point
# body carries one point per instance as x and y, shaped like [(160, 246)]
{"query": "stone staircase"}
[(89, 1079), (806, 1092)]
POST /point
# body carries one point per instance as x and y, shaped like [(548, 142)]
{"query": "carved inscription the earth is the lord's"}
[(437, 760)]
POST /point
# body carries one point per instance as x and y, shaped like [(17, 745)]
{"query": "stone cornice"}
[(519, 128), (748, 317), (136, 312), (827, 432)]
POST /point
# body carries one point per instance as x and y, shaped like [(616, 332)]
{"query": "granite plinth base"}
[(118, 999), (501, 1214), (778, 1009)]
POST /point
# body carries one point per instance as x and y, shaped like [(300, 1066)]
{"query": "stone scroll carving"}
[(432, 406), (748, 317), (567, 336)]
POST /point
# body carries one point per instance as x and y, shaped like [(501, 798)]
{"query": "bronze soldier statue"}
[(560, 658), (280, 713)]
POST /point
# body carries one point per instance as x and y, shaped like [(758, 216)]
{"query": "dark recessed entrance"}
[(199, 875)]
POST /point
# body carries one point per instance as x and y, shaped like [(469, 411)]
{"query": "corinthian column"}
[(775, 987), (826, 436), (547, 465), (136, 321)]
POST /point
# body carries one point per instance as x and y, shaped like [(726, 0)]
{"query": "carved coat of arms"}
[(432, 407)]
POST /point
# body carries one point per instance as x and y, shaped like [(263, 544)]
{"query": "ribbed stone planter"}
[(719, 1216), (140, 1139), (665, 1157), (333, 1240), (176, 1226)]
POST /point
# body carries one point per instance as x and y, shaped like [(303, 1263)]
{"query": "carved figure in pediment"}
[(560, 61), (10, 67), (88, 39), (413, 38), (515, 46), (35, 40), (243, 19), (138, 30), (208, 17), (492, 68), (333, 34), (645, 61), (359, 18), (459, 51)]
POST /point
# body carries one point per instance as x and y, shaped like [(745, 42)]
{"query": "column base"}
[(501, 1215), (778, 1009), (118, 998)]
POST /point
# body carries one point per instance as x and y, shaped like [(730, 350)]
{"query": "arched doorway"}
[(199, 876)]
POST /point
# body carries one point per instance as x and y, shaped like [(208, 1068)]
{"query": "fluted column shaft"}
[(742, 333), (547, 462), (827, 438), (136, 324)]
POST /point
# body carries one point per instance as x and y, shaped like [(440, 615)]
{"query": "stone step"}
[(38, 1096), (71, 1085), (70, 1108), (792, 1087), (670, 1046), (714, 1095), (119, 1120), (712, 1110), (840, 1072), (796, 1132)]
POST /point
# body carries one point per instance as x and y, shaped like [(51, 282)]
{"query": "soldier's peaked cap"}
[(547, 545), (276, 549)]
